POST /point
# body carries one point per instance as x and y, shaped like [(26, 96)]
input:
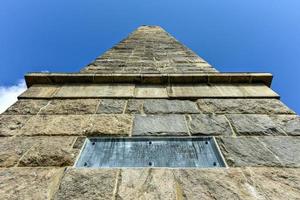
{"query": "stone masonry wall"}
[(42, 138)]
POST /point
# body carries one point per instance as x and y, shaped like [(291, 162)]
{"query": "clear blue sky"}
[(232, 35)]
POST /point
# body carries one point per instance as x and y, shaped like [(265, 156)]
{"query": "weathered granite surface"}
[(164, 106), (50, 151), (254, 125), (87, 184), (246, 151), (159, 125), (57, 125), (40, 91), (289, 123), (11, 124), (29, 183), (134, 106), (111, 106), (70, 106), (243, 106), (201, 124), (26, 107), (110, 125)]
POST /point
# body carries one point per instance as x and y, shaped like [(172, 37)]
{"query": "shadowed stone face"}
[(111, 106)]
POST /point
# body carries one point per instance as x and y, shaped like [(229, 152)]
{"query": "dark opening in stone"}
[(181, 152)]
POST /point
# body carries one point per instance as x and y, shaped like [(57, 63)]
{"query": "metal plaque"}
[(199, 152)]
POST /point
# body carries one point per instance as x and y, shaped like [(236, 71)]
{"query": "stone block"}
[(150, 91), (80, 183), (246, 151), (56, 125), (286, 149), (70, 106), (96, 90), (243, 106), (146, 184), (11, 124), (49, 151), (111, 106), (212, 184), (26, 107), (289, 123), (40, 91), (29, 183), (274, 183), (12, 149), (110, 125), (134, 106), (164, 106), (254, 125), (201, 124), (195, 90), (159, 125)]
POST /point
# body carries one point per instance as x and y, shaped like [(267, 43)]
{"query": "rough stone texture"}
[(200, 124), (57, 125), (213, 184), (134, 106), (243, 106), (146, 184), (87, 184), (159, 125), (110, 125), (29, 183), (49, 151), (286, 149), (26, 107), (96, 90), (149, 49), (246, 151), (150, 91), (40, 91), (11, 124), (254, 125), (289, 123), (111, 106), (69, 107), (11, 150), (164, 106), (274, 183)]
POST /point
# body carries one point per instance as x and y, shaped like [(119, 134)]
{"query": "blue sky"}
[(232, 35)]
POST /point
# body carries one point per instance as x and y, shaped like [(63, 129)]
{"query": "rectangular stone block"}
[(164, 106), (289, 123), (146, 184), (111, 106), (134, 106), (150, 91), (26, 107), (110, 125), (243, 106), (254, 125), (49, 151), (221, 90), (40, 91), (57, 125), (29, 183), (96, 90), (87, 184), (11, 124), (70, 107), (201, 124), (246, 152), (286, 149), (159, 125)]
